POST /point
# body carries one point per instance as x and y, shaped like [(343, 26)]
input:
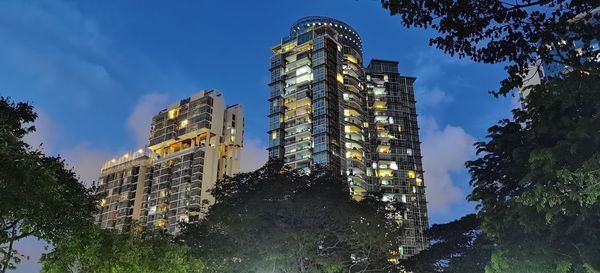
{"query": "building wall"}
[(395, 161), (121, 184), (233, 141)]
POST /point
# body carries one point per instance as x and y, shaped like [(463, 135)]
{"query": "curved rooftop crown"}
[(348, 34)]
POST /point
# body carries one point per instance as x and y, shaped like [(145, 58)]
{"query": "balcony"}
[(298, 149), (297, 158), (354, 120), (298, 132), (385, 156), (293, 123), (297, 141)]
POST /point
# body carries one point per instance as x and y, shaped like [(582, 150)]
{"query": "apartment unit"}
[(192, 143), (326, 108), (122, 182)]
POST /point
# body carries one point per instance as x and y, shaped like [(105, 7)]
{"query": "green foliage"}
[(282, 221), (456, 247), (39, 196), (106, 251), (517, 33), (538, 182)]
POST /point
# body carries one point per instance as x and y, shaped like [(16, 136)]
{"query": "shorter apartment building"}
[(122, 182), (192, 143)]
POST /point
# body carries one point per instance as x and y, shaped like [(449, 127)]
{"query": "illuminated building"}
[(122, 182), (326, 108), (395, 161), (317, 99), (192, 143)]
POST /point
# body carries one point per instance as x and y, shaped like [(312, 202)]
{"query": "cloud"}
[(432, 97), (444, 152), (86, 161), (47, 131), (53, 43), (254, 155), (140, 119)]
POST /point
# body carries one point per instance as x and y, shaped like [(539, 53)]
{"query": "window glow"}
[(412, 174), (351, 59), (340, 78), (419, 182), (183, 123), (173, 113)]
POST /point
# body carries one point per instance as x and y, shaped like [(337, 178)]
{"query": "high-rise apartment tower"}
[(326, 108)]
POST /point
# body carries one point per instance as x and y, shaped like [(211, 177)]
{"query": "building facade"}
[(192, 143), (122, 183), (326, 108), (395, 158)]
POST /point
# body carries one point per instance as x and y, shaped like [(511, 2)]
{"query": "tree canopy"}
[(95, 250), (456, 247), (537, 180), (516, 33), (39, 195), (275, 220)]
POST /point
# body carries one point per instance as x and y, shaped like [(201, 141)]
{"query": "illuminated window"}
[(394, 166), (232, 138), (340, 78), (412, 174), (173, 113), (419, 182), (183, 123), (351, 59), (274, 135)]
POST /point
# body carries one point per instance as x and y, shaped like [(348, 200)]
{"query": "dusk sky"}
[(96, 72)]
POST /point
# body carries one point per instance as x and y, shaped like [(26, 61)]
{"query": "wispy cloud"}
[(138, 123)]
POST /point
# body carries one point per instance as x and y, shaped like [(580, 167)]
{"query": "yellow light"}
[(412, 174), (419, 182), (351, 59), (173, 113), (274, 135), (340, 78), (379, 104), (183, 123)]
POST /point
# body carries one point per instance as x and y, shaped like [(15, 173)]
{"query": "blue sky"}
[(97, 70)]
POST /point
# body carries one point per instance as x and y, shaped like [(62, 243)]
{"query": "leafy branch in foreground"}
[(537, 180), (517, 33), (39, 195)]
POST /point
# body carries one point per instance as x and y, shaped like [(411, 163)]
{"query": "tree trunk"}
[(9, 253)]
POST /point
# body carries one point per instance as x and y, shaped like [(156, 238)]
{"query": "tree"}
[(275, 220), (96, 250), (537, 180), (517, 33), (39, 196), (456, 247)]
